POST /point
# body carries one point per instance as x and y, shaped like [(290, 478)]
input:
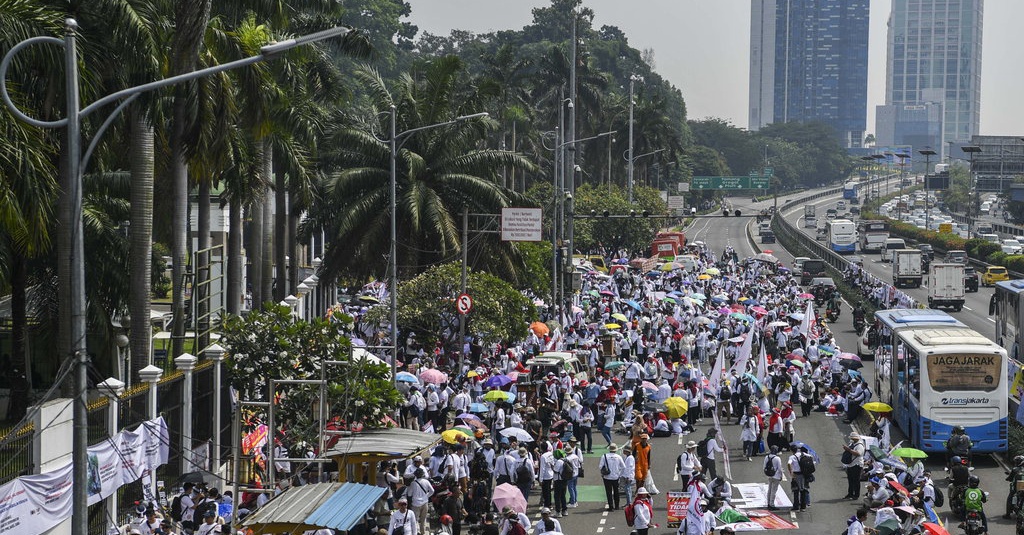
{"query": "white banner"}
[(34, 504)]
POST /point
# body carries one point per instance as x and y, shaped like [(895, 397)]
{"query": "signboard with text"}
[(521, 224), (675, 202), (730, 182)]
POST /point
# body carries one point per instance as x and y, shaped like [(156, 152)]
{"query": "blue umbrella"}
[(478, 407), (751, 302), (406, 377), (653, 274), (854, 373), (752, 378), (809, 450), (717, 300), (697, 295), (497, 381), (634, 304)]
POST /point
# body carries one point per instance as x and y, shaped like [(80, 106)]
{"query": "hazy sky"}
[(703, 48)]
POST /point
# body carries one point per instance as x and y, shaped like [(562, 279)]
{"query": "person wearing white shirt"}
[(856, 526), (708, 463), (505, 468), (775, 479), (403, 521), (643, 511), (418, 496), (416, 464), (546, 476), (627, 479), (687, 464), (546, 524), (614, 465), (509, 517)]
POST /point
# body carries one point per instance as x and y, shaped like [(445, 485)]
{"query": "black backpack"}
[(769, 466), (176, 508), (806, 464), (725, 394), (940, 500), (567, 470), (202, 509), (702, 448), (523, 474)]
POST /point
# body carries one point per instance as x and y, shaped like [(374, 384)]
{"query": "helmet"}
[(958, 429), (1018, 460), (973, 481), (955, 459), (446, 520)]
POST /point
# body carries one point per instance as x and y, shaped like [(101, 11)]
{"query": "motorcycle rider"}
[(959, 444), (832, 306), (1014, 475), (974, 500), (858, 314)]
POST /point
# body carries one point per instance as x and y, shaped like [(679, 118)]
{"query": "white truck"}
[(906, 268), (946, 286), (810, 220)]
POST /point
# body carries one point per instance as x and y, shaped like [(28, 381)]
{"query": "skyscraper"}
[(809, 62), (934, 56)]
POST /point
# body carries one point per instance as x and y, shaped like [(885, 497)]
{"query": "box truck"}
[(946, 286), (906, 268)]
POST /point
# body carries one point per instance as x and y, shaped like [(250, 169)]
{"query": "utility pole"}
[(465, 261), (630, 167)]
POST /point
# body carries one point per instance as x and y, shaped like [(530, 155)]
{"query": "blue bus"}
[(842, 236), (937, 373), (850, 190)]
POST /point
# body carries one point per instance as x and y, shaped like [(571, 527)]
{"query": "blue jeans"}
[(606, 434), (572, 490)]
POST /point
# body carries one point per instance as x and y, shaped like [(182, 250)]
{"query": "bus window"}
[(964, 372), (913, 371)]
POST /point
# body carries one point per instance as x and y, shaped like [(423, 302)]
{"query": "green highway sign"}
[(730, 182)]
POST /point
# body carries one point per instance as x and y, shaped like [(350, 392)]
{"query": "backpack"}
[(725, 394), (806, 464), (176, 508), (604, 467), (769, 466), (202, 508), (567, 470), (702, 448), (630, 512), (940, 499), (523, 474), (516, 529), (807, 388)]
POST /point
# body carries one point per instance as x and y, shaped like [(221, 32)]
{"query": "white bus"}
[(842, 236)]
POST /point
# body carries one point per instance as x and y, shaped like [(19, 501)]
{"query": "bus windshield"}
[(967, 372)]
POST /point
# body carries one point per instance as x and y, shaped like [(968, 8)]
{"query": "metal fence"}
[(16, 453)]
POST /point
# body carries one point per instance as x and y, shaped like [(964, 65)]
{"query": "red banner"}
[(676, 507)]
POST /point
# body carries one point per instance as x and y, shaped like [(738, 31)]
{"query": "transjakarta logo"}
[(964, 401)]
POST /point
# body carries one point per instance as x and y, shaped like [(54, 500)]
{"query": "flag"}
[(693, 509), (762, 366), (740, 366), (808, 322), (716, 374)]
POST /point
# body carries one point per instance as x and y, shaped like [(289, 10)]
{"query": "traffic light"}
[(737, 213), (632, 213), (646, 213), (593, 213), (725, 212), (605, 213)]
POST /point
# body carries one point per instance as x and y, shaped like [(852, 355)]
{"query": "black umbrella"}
[(196, 478), (851, 364)]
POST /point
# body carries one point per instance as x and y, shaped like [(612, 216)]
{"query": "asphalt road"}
[(828, 512)]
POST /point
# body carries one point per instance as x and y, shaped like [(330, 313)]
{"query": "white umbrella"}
[(519, 433)]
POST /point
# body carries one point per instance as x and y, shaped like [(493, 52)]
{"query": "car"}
[(866, 342), (957, 257), (821, 235), (854, 210), (1011, 246), (811, 268), (994, 274), (970, 279), (798, 263), (768, 237)]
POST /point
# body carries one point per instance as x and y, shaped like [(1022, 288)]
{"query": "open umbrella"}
[(508, 495), (855, 374), (798, 316), (797, 363), (676, 407), (889, 527), (612, 326), (805, 295), (368, 299), (759, 310), (433, 376), (468, 416), (451, 436), (698, 295), (703, 320), (876, 406), (712, 271), (478, 408), (621, 317), (614, 364), (518, 432), (898, 487), (851, 364), (497, 395), (472, 373), (810, 450), (607, 293), (703, 277), (779, 324), (539, 328), (669, 300), (848, 356), (909, 453), (669, 266), (497, 381), (932, 528), (634, 304), (406, 377), (647, 385)]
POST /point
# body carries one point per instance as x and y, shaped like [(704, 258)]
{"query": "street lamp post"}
[(395, 141), (903, 176), (632, 79), (972, 150), (73, 280), (927, 153)]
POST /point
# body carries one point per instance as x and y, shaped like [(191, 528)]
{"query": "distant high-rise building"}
[(934, 55), (809, 62)]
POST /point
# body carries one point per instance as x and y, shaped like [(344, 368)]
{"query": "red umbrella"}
[(934, 529), (794, 356), (759, 310), (672, 321), (805, 295), (849, 356), (903, 490)]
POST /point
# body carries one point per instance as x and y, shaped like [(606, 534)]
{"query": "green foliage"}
[(270, 344), (426, 306), (633, 234), (537, 270)]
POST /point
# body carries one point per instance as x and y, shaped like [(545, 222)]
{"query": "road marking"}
[(679, 442), (792, 516), (604, 513), (967, 308), (603, 520), (599, 530), (992, 320)]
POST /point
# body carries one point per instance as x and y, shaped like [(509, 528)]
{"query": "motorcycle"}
[(972, 524), (858, 323), (832, 314)]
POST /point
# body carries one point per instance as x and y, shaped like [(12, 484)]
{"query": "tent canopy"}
[(338, 506), (394, 442)]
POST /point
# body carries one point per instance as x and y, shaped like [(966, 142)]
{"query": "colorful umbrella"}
[(848, 356), (669, 266), (478, 408), (451, 436), (468, 416), (607, 293), (759, 310), (909, 453), (406, 377), (698, 295), (497, 395), (932, 528), (676, 407), (703, 277), (614, 364), (903, 490), (805, 295), (464, 429), (712, 271), (472, 373), (621, 317), (647, 385), (497, 381), (796, 363), (612, 326), (508, 495), (539, 328), (876, 406), (670, 301), (634, 304), (851, 364), (433, 376)]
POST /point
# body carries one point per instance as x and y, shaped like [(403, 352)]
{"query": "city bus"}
[(1007, 310), (872, 235), (938, 373), (850, 190), (842, 236)]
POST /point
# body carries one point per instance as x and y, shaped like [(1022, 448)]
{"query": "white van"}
[(891, 244)]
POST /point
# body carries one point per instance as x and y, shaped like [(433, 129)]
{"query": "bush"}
[(1016, 439), (1015, 263), (997, 258)]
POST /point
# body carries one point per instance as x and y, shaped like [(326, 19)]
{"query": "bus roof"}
[(960, 337), (1014, 286), (900, 318)]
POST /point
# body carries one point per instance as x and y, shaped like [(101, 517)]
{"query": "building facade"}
[(934, 56), (809, 62)]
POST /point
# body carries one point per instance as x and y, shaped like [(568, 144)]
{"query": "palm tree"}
[(439, 171), (504, 81)]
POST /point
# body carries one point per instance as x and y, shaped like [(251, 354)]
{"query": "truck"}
[(810, 220), (946, 287), (679, 237), (666, 248), (906, 268)]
